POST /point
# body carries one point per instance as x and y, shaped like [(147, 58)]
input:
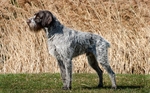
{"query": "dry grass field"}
[(124, 23)]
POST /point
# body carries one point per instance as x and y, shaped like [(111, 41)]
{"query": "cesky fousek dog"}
[(65, 43)]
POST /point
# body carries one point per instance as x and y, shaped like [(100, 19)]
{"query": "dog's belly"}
[(79, 50)]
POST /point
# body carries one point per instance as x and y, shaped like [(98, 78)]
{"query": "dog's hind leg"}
[(93, 63), (102, 58), (111, 75)]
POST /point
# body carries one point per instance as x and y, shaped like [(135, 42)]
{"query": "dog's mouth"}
[(28, 21)]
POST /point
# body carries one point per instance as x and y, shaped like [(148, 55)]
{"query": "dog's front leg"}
[(68, 66), (63, 72)]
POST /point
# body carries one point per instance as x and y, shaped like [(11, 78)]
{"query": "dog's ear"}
[(38, 17), (47, 18)]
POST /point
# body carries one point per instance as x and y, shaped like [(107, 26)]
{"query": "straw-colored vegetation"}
[(124, 23)]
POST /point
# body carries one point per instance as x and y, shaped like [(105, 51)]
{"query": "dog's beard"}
[(34, 27)]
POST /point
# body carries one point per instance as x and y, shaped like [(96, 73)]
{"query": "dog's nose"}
[(28, 21)]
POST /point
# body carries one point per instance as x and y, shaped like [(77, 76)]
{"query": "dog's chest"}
[(53, 45), (51, 48)]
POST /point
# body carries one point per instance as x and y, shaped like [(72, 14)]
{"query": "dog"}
[(65, 43)]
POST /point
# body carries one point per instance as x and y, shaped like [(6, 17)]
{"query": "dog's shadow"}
[(109, 87)]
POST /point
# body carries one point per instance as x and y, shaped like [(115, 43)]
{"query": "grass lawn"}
[(82, 83)]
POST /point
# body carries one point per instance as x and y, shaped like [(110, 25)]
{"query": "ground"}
[(82, 83)]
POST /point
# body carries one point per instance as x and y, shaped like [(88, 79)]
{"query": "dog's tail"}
[(107, 43)]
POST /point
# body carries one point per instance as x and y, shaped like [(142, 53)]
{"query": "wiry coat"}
[(65, 43)]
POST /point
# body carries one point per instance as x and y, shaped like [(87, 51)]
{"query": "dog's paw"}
[(114, 87), (66, 88), (100, 85)]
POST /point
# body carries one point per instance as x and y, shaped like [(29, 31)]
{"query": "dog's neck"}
[(52, 30)]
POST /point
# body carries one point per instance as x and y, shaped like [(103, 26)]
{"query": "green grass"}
[(82, 83)]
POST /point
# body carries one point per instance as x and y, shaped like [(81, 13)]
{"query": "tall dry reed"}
[(124, 23)]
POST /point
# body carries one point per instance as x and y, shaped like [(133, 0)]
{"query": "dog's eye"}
[(36, 16)]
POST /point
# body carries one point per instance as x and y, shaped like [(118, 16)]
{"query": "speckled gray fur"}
[(65, 43)]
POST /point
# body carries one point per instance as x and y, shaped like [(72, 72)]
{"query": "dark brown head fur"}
[(40, 20)]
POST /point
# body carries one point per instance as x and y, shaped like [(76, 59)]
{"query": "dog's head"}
[(40, 20)]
